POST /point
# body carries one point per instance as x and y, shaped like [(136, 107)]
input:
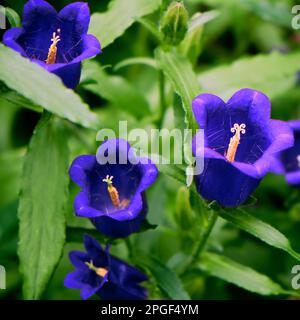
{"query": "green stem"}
[(162, 97), (213, 216)]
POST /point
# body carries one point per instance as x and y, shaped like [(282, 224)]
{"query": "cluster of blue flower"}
[(242, 144)]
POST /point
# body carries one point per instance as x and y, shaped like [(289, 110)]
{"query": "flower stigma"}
[(100, 271), (237, 129), (51, 59), (114, 194)]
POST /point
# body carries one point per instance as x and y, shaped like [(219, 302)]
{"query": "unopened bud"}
[(174, 23)]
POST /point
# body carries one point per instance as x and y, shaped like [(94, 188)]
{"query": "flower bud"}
[(174, 24)]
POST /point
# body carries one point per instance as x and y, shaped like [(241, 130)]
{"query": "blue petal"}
[(217, 118), (120, 229), (39, 23), (223, 182), (10, 39), (124, 282), (78, 258), (75, 18), (73, 21), (69, 74)]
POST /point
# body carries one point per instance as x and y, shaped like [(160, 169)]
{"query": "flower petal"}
[(205, 104), (10, 39), (38, 15), (78, 258), (89, 47), (71, 280), (224, 182), (250, 104), (39, 23), (293, 178), (80, 168), (118, 228), (75, 18), (149, 174)]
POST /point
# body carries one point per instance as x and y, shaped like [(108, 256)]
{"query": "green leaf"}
[(43, 88), (278, 12), (133, 61), (14, 98), (13, 17), (120, 16), (199, 19), (115, 89), (179, 71), (42, 206), (272, 74), (240, 275), (172, 170), (151, 26), (166, 279), (259, 229)]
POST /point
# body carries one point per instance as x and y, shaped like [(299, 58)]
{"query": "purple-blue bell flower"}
[(290, 158), (240, 144), (97, 272), (58, 42), (112, 194)]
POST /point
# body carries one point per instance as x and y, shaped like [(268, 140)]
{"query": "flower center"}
[(51, 59), (237, 129), (114, 194), (100, 271)]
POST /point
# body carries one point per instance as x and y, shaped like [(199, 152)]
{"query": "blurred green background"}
[(239, 31)]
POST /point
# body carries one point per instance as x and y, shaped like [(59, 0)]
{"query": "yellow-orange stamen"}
[(51, 59), (298, 159), (235, 140), (113, 192), (100, 271)]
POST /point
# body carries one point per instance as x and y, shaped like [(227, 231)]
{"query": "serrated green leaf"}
[(16, 99), (258, 73), (120, 15), (42, 206), (115, 89), (259, 229), (166, 279), (43, 88), (179, 71), (240, 275)]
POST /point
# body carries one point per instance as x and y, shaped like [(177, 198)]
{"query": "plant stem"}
[(213, 216), (162, 97)]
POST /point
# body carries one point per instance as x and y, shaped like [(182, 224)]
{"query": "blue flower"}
[(290, 158), (58, 42), (240, 144), (97, 272), (112, 192)]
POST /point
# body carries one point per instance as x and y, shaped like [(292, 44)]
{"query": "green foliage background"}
[(43, 126)]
